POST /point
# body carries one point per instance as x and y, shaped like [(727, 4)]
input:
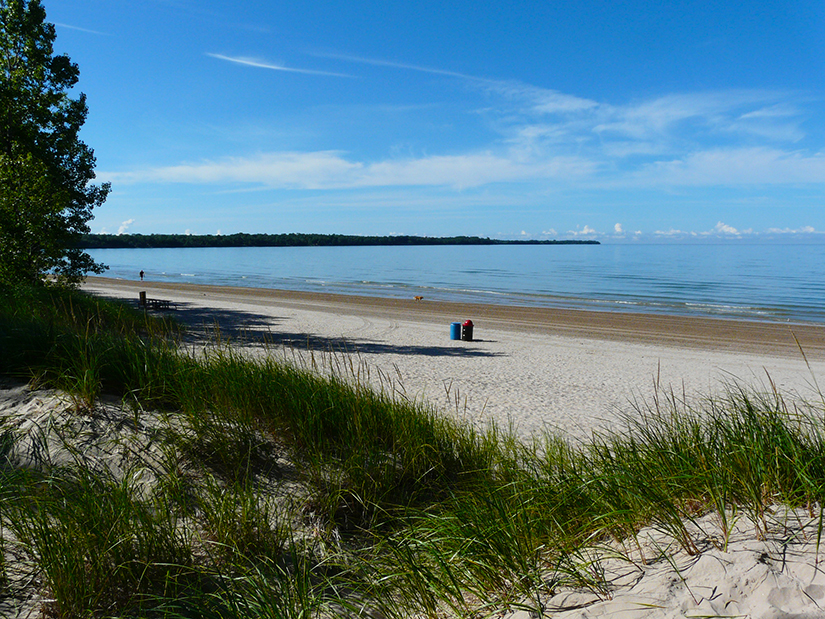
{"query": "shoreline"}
[(694, 332)]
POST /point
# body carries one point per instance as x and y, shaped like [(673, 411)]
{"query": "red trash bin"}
[(467, 331)]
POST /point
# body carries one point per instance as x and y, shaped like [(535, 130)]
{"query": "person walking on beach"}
[(141, 275)]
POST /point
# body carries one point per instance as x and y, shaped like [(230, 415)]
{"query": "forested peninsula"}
[(150, 241)]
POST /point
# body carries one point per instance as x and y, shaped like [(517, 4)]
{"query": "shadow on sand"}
[(249, 328)]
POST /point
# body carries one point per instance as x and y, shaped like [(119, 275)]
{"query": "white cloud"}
[(124, 226), (621, 149), (743, 166), (586, 231), (330, 170), (298, 170), (618, 229), (721, 228), (780, 110), (551, 137), (469, 170), (551, 102), (726, 137), (550, 232), (399, 65), (663, 133), (264, 64), (662, 120), (704, 115), (541, 101), (721, 231), (79, 29), (802, 230)]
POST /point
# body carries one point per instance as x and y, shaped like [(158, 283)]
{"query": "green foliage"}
[(98, 546), (46, 198), (82, 344)]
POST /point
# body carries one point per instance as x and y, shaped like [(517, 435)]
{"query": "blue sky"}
[(623, 122)]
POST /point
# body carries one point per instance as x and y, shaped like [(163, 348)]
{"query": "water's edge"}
[(775, 284)]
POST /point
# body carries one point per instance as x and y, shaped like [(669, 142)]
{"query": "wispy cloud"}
[(535, 101), (331, 170), (471, 170), (79, 29), (718, 138), (669, 123), (801, 230), (732, 137), (673, 122), (734, 166), (722, 138), (399, 65), (286, 170), (263, 64)]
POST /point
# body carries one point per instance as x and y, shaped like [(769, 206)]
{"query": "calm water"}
[(766, 282)]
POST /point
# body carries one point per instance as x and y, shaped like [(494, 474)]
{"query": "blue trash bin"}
[(455, 330)]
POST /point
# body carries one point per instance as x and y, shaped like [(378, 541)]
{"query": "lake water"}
[(763, 282)]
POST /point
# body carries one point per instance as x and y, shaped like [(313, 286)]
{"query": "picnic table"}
[(154, 304)]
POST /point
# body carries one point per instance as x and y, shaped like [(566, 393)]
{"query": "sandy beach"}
[(575, 372), (535, 368)]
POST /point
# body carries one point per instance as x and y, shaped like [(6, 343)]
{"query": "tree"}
[(46, 199)]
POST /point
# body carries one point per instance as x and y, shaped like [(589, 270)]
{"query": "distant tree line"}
[(150, 241)]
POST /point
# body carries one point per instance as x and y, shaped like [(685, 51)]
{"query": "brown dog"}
[(418, 298)]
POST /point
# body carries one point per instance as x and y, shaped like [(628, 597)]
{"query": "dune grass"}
[(286, 493)]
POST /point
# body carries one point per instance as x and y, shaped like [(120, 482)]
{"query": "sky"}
[(615, 121)]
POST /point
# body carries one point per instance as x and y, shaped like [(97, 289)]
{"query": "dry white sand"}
[(774, 574), (576, 381)]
